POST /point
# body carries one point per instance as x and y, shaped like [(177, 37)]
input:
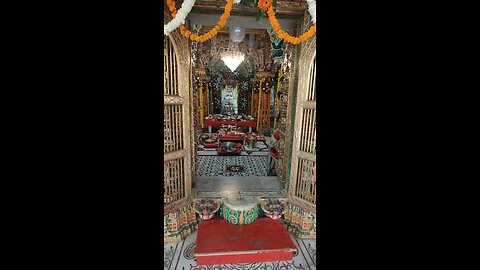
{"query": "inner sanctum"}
[(240, 133), (236, 99)]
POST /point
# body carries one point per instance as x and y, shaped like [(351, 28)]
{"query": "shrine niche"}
[(229, 98)]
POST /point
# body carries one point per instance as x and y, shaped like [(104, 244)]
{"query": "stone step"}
[(219, 242), (239, 183)]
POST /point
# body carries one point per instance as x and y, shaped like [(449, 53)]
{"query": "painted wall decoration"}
[(300, 221), (240, 210), (180, 223), (278, 45), (244, 94), (240, 217), (215, 86), (282, 111), (194, 46)]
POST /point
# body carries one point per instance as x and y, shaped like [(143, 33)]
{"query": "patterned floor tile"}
[(182, 257), (170, 253), (308, 249), (217, 165)]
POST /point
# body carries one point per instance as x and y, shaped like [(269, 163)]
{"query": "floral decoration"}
[(213, 32), (178, 17), (284, 35)]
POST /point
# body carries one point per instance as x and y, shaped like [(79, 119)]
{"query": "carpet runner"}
[(265, 240)]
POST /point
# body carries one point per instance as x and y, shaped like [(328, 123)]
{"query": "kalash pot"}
[(251, 140)]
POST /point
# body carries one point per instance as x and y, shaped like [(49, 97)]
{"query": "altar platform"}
[(241, 123), (219, 242)]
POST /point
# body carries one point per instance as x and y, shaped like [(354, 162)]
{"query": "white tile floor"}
[(180, 256), (217, 165)]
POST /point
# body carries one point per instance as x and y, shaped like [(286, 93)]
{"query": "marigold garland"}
[(181, 15), (213, 32), (280, 32), (264, 4)]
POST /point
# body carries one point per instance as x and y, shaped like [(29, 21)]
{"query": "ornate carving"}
[(206, 208), (305, 61), (307, 206), (273, 208), (179, 223), (199, 71), (179, 220), (284, 116), (264, 75), (173, 100), (300, 219)]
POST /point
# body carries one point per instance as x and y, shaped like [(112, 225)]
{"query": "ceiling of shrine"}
[(261, 46), (234, 20)]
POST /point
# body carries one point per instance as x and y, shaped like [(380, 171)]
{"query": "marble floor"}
[(180, 256), (239, 183), (217, 165)]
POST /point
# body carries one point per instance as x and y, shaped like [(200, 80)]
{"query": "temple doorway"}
[(239, 122), (237, 102)]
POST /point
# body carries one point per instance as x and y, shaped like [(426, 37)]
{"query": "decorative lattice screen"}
[(173, 130), (176, 123), (170, 78), (174, 180), (303, 171), (306, 181)]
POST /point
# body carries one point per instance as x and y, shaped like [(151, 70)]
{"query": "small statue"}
[(206, 209), (273, 208)]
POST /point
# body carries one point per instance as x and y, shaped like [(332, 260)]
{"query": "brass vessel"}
[(252, 140)]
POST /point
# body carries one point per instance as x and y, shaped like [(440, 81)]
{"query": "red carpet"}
[(219, 242)]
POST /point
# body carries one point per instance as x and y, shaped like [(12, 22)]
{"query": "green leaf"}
[(251, 3), (259, 15)]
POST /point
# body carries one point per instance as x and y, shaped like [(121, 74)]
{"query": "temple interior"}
[(240, 134), (236, 109)]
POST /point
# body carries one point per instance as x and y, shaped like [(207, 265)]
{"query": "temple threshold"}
[(219, 242)]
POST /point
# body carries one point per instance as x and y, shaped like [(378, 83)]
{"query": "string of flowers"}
[(213, 32), (266, 5), (178, 18)]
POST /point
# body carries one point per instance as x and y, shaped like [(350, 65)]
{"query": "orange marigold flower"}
[(213, 31)]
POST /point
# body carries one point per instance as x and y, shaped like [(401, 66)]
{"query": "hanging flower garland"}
[(266, 5), (178, 18), (213, 32)]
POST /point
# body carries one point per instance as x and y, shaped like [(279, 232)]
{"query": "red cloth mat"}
[(232, 137), (219, 242), (210, 145), (242, 123)]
